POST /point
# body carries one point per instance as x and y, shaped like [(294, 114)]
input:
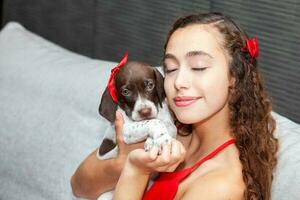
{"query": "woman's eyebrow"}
[(188, 54), (197, 53), (170, 56)]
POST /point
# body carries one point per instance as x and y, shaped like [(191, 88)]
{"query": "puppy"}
[(136, 90)]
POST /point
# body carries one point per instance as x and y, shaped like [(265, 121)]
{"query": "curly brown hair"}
[(250, 106)]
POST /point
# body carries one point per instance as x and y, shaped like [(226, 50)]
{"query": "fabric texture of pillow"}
[(286, 183), (49, 119)]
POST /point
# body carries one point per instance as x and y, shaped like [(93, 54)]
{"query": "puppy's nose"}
[(145, 112)]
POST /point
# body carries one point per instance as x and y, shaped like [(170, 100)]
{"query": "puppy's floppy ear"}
[(107, 107), (159, 85), (106, 146)]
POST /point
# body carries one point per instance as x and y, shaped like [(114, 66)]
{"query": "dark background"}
[(1, 11), (106, 29)]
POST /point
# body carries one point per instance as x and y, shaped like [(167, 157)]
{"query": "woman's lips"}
[(184, 101)]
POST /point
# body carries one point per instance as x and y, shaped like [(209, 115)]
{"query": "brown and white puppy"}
[(141, 100), (135, 81)]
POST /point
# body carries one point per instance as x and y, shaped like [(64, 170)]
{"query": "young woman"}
[(226, 149)]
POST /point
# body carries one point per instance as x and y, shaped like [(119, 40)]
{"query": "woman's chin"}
[(187, 119)]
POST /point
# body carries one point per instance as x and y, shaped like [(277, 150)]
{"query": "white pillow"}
[(49, 119), (286, 184)]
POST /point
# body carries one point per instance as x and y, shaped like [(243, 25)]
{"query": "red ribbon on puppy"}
[(111, 82)]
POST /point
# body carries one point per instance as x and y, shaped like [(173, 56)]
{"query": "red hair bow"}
[(111, 81), (252, 47)]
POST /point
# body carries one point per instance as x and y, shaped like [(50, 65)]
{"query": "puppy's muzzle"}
[(145, 113)]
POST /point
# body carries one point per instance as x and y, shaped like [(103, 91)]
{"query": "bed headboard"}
[(106, 29)]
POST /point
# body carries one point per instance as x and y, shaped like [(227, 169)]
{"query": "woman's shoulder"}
[(217, 184), (217, 178)]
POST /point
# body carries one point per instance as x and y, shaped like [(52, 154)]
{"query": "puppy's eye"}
[(149, 85), (126, 92)]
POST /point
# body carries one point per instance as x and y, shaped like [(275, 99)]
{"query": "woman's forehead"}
[(195, 37)]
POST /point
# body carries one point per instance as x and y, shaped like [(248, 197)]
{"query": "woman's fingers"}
[(171, 156), (153, 153), (177, 156), (165, 156), (149, 161), (176, 150), (119, 128)]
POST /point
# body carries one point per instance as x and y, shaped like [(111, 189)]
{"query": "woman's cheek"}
[(218, 94), (167, 85)]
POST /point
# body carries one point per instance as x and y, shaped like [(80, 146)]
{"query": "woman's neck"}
[(209, 134)]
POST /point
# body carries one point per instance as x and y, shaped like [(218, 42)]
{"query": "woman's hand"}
[(124, 148), (167, 161), (140, 164)]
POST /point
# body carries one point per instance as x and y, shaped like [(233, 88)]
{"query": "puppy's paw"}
[(158, 142), (148, 144), (162, 139)]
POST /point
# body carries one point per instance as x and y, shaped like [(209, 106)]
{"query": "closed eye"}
[(199, 69), (167, 71)]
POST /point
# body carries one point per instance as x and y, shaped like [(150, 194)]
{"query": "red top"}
[(166, 186)]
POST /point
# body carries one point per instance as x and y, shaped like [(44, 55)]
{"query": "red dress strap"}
[(166, 186), (212, 154)]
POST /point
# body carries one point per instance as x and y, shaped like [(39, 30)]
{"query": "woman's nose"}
[(182, 80)]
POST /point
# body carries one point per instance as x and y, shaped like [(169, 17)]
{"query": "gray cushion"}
[(286, 184), (49, 119)]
